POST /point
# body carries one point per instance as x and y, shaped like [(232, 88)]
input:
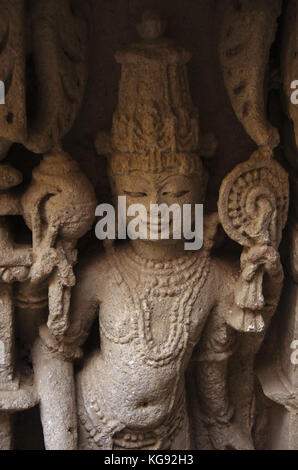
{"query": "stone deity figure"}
[(160, 307)]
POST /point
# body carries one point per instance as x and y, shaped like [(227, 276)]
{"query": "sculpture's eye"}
[(181, 193), (132, 194), (178, 194)]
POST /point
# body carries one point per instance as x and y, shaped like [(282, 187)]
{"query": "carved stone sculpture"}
[(39, 58), (140, 343), (281, 386), (160, 307), (248, 31)]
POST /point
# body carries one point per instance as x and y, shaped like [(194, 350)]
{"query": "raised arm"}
[(220, 341), (53, 366)]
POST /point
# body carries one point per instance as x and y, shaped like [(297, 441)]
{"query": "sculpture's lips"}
[(157, 225)]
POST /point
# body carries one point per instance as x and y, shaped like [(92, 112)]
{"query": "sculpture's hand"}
[(265, 256), (44, 263), (14, 274), (229, 436), (255, 262)]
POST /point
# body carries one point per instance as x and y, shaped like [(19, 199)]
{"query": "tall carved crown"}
[(155, 110), (155, 125)]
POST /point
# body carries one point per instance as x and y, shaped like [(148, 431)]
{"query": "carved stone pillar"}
[(43, 68), (278, 372)]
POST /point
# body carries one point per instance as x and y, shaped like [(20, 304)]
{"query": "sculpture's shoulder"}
[(225, 270), (91, 271), (224, 266)]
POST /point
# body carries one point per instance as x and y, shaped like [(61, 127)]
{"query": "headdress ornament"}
[(155, 125)]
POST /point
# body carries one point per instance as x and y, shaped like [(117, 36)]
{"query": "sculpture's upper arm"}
[(84, 306), (218, 339), (227, 273)]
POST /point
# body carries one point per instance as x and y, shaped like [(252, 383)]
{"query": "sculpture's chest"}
[(159, 315), (120, 315)]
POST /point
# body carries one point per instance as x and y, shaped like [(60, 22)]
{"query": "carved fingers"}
[(44, 263), (264, 256), (49, 259), (14, 274), (249, 296)]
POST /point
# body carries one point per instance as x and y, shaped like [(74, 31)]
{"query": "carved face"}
[(168, 187)]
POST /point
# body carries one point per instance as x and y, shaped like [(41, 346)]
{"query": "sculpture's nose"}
[(156, 197)]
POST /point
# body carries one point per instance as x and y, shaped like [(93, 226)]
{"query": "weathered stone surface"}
[(279, 378), (179, 331), (58, 42), (278, 369), (154, 300), (5, 432), (248, 31), (13, 116), (289, 69), (43, 66)]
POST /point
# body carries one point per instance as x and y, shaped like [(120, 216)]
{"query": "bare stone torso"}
[(150, 322)]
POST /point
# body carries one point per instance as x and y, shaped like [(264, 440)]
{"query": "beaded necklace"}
[(180, 279)]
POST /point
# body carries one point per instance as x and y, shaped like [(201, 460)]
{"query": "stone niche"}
[(134, 344)]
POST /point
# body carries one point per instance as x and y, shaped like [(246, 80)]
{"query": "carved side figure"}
[(278, 371), (250, 215), (42, 55), (158, 305)]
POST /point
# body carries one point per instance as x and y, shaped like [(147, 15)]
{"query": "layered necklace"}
[(144, 282)]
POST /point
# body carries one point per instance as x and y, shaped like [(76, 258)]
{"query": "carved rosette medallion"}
[(254, 201)]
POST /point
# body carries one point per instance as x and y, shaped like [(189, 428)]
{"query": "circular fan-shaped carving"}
[(254, 200)]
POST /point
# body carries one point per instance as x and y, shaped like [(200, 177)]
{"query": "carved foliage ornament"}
[(254, 197), (248, 30), (43, 66)]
